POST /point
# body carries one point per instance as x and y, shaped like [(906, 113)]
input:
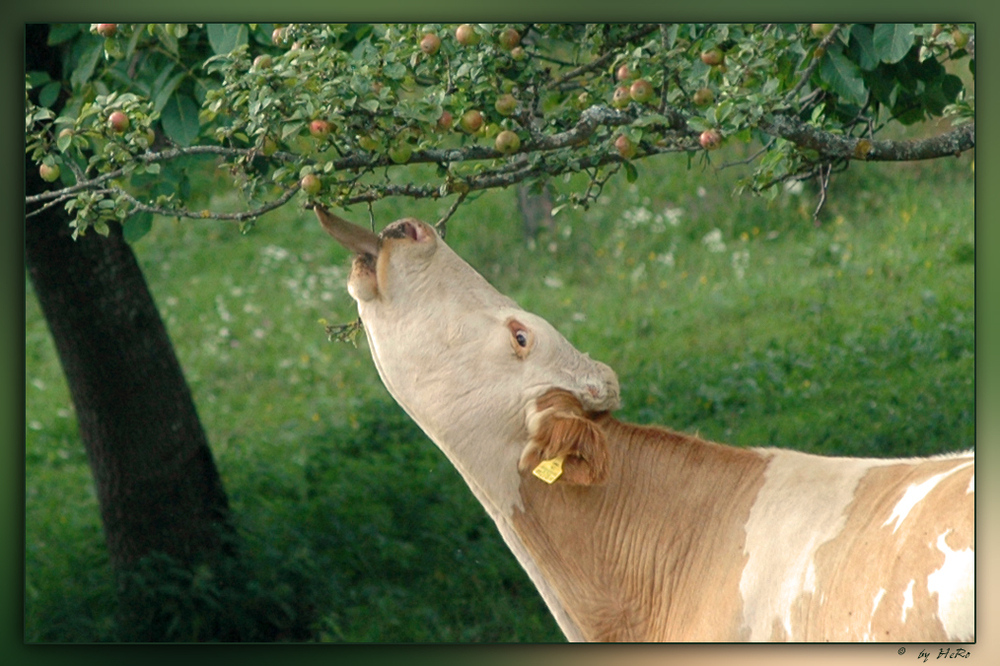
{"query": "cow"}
[(639, 533)]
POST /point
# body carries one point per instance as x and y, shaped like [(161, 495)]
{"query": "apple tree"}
[(127, 122), (344, 112)]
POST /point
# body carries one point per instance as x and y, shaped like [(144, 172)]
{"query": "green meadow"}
[(737, 318)]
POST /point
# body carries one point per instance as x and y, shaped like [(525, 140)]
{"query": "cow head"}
[(461, 358)]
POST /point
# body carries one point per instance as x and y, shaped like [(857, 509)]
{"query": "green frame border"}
[(987, 648)]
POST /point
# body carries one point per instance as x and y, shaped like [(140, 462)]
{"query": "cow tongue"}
[(354, 238)]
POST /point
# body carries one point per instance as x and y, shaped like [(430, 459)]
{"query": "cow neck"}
[(664, 490)]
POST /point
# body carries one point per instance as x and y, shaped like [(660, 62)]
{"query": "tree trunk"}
[(157, 484)]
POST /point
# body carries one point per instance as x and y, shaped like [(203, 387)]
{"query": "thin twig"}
[(442, 224)]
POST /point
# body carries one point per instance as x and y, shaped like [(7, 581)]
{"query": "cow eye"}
[(520, 338)]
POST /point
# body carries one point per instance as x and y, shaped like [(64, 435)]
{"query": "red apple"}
[(641, 91), (262, 61), (621, 97), (623, 73), (118, 121), (710, 139), (49, 172), (311, 184), (279, 36), (320, 128), (445, 121), (430, 43), (509, 38), (107, 29), (507, 142), (471, 121), (466, 35), (625, 147), (713, 57)]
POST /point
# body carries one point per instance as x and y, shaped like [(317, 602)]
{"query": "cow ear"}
[(566, 445)]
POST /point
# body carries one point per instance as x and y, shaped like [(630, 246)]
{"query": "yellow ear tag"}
[(549, 470)]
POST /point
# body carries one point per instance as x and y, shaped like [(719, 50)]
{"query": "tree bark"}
[(156, 481), (157, 485)]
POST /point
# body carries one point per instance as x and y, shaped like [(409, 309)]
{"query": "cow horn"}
[(351, 236)]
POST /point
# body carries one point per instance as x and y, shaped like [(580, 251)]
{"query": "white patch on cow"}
[(800, 507), (907, 599), (953, 583), (915, 493), (878, 598)]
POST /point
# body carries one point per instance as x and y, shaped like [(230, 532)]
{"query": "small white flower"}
[(553, 282), (713, 241)]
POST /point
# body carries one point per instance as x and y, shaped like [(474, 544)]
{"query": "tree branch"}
[(834, 146)]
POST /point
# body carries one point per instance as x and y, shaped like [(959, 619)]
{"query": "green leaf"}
[(892, 41), (843, 77), (167, 92), (180, 120), (137, 226), (86, 64), (225, 37), (861, 47), (631, 174), (49, 93)]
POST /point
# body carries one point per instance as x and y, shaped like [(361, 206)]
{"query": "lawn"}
[(736, 318)]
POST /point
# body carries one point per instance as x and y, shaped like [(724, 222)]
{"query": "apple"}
[(49, 172), (961, 39), (518, 53), (507, 142), (320, 128), (367, 142), (430, 43), (466, 35), (820, 29), (445, 121), (623, 73), (279, 36), (107, 29), (625, 146), (621, 97), (509, 38), (506, 104), (703, 96), (268, 147), (471, 121), (311, 184), (641, 91), (710, 139), (401, 152), (118, 121), (262, 61), (713, 57)]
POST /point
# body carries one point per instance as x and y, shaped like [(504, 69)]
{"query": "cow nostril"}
[(411, 231)]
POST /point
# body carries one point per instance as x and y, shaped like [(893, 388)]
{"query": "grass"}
[(735, 318)]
